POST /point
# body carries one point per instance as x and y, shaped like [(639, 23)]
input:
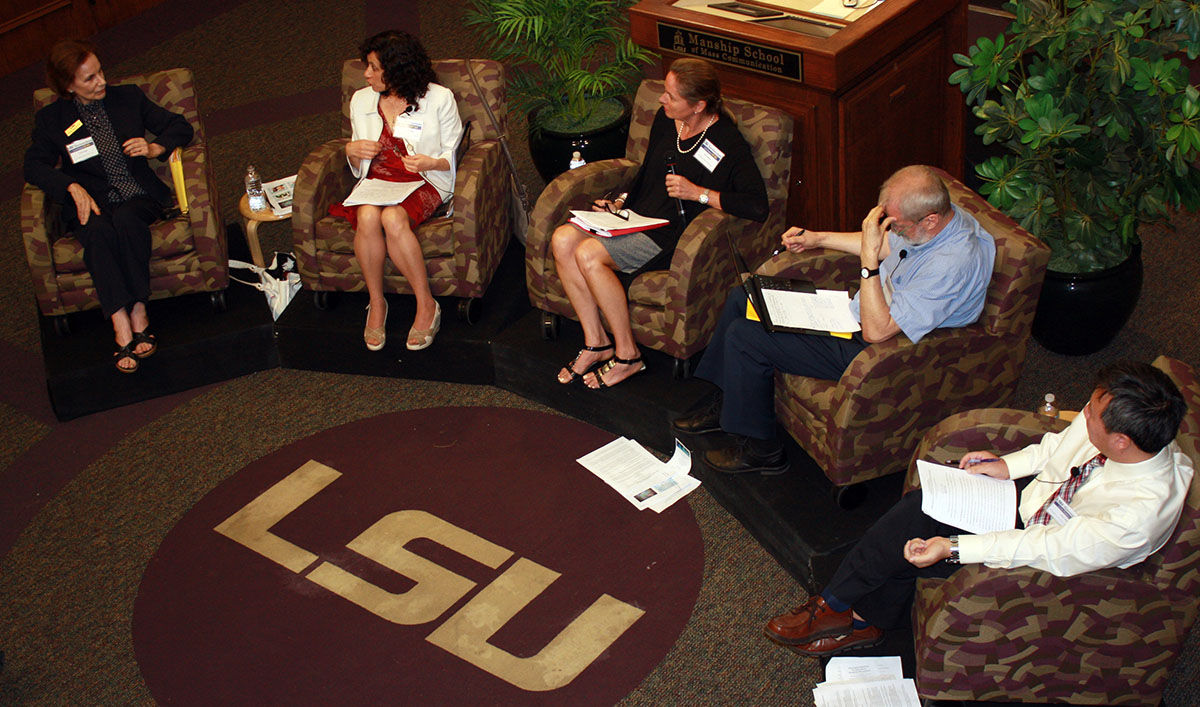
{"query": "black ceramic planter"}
[(551, 150), (1081, 314)]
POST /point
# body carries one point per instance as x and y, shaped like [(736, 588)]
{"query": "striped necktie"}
[(1066, 490)]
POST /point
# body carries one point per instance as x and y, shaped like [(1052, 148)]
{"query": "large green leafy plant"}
[(1091, 101), (565, 57)]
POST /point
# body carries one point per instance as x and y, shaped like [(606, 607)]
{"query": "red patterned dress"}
[(388, 166)]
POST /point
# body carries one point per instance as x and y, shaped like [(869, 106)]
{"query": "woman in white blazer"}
[(405, 129)]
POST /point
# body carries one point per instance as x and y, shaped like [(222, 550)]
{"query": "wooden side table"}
[(250, 221)]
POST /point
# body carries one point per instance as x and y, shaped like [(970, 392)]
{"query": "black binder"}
[(755, 284)]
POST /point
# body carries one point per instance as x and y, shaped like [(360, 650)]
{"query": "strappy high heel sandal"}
[(570, 367), (378, 333), (611, 364), (424, 337)]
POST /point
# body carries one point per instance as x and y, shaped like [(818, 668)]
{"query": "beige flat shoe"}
[(378, 333), (424, 337)]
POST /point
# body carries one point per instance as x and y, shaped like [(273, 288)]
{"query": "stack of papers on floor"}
[(865, 682), (641, 478)]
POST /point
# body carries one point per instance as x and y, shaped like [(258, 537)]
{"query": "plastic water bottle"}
[(1047, 406), (577, 160), (254, 190)]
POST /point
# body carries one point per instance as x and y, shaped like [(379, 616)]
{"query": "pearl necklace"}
[(679, 132)]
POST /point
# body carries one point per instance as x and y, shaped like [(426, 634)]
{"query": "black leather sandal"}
[(611, 364), (570, 367), (126, 352), (144, 337)]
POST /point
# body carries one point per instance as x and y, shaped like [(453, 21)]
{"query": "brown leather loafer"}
[(706, 421), (742, 459), (808, 622), (833, 645)]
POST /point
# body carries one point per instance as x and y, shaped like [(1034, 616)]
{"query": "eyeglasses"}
[(622, 214), (903, 232)]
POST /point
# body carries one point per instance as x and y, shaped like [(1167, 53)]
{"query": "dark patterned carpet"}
[(85, 505)]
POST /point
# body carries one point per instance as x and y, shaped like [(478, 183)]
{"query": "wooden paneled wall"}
[(28, 28)]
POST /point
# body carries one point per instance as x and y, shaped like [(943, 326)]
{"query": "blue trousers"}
[(742, 358)]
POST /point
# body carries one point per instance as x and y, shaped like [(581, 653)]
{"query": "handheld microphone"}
[(671, 170)]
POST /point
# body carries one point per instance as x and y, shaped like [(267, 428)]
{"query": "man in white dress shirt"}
[(1105, 492)]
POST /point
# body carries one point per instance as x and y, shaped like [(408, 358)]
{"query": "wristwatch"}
[(868, 273), (703, 198), (953, 559)]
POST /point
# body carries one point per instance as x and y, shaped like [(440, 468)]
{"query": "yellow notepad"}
[(177, 177)]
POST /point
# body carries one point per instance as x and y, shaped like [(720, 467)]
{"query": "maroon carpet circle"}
[(446, 556)]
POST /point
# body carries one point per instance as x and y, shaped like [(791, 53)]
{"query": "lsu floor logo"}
[(450, 556)]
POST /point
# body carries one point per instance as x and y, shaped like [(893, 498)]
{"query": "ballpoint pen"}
[(972, 462)]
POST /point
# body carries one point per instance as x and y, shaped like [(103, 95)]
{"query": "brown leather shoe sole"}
[(858, 638)]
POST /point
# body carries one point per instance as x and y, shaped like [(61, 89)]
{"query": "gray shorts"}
[(630, 251)]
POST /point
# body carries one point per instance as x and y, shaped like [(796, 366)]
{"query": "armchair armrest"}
[(999, 430), (700, 275), (39, 235), (481, 214), (323, 178), (828, 269), (571, 190), (204, 215)]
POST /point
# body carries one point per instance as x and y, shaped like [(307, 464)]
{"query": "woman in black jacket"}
[(697, 159), (89, 155)]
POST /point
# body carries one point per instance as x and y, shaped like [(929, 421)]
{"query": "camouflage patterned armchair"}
[(1105, 637), (187, 253), (675, 310), (462, 250), (866, 424)]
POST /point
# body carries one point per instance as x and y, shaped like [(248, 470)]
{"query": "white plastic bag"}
[(280, 282)]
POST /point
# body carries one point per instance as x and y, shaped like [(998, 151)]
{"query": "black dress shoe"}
[(706, 421), (743, 458)]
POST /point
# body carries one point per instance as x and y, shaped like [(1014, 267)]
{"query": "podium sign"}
[(731, 51)]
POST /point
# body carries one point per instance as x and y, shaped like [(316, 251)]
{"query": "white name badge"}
[(82, 149), (709, 155), (1060, 512), (408, 129)]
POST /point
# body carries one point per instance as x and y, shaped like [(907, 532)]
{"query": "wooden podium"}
[(871, 97)]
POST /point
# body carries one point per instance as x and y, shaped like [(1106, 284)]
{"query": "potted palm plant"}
[(1090, 105), (571, 65)]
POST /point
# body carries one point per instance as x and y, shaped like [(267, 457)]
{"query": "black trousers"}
[(116, 251), (875, 579), (742, 358)]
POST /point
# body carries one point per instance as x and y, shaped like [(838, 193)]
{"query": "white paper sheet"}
[(845, 669), (630, 470), (883, 693), (824, 310), (279, 195), (973, 502), (381, 192), (608, 223)]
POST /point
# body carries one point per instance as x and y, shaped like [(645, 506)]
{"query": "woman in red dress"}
[(405, 128)]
